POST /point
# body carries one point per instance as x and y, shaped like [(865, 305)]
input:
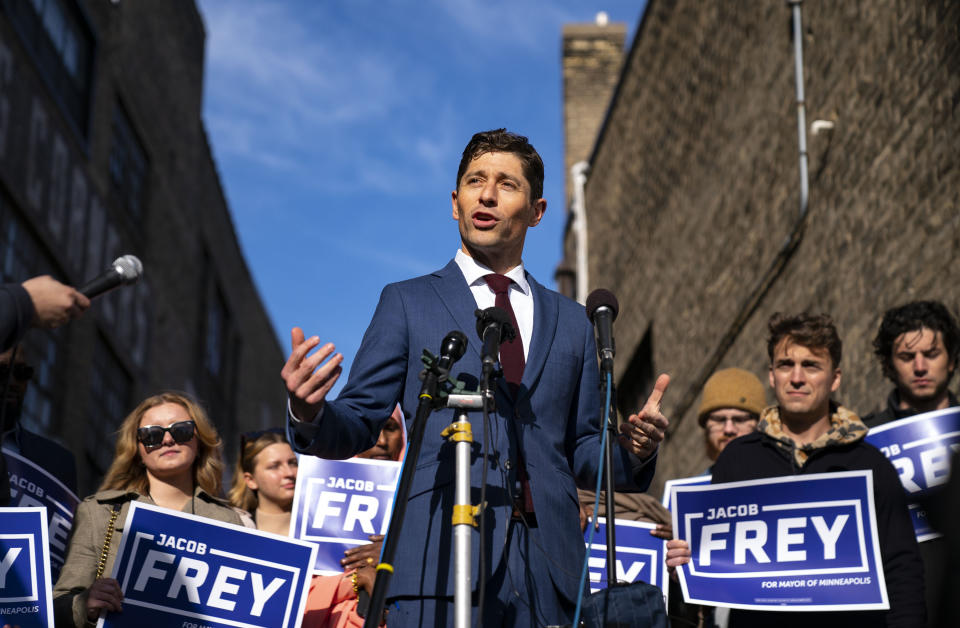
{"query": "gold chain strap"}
[(106, 541)]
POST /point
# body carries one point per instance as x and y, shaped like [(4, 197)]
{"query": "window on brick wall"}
[(637, 381), (61, 42), (110, 401), (22, 257), (128, 164), (217, 332)]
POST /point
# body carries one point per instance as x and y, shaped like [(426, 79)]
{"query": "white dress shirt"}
[(521, 297)]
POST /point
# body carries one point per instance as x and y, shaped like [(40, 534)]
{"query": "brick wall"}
[(694, 185)]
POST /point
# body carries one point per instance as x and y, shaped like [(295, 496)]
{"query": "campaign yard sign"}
[(639, 554), (696, 480), (25, 598), (798, 543), (920, 448), (32, 486), (338, 504), (182, 570)]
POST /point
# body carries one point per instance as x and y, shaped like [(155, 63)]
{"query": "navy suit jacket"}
[(554, 424)]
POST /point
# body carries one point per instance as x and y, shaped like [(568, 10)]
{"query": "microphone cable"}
[(608, 384)]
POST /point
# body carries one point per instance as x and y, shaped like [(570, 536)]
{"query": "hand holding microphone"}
[(55, 303)]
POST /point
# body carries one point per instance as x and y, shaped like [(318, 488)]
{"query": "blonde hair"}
[(240, 494), (127, 471)]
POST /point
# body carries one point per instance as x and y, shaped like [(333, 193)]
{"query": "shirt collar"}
[(473, 271)]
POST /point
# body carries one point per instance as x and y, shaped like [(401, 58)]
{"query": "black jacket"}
[(893, 411), (757, 456), (933, 551)]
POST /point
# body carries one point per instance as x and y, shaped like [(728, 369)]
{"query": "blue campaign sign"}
[(25, 598), (798, 543), (639, 554), (198, 573), (920, 448), (696, 480), (32, 486), (340, 503)]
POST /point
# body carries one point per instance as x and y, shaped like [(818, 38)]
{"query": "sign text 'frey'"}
[(790, 539), (229, 585)]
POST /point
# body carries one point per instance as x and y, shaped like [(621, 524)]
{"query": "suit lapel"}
[(455, 295), (545, 312)]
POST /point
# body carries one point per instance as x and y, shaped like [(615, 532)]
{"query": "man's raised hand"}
[(642, 432), (309, 378)]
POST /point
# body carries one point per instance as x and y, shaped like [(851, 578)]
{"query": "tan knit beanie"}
[(732, 388)]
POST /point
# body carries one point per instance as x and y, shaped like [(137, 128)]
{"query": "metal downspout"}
[(578, 174)]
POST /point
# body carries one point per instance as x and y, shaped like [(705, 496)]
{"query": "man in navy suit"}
[(545, 433)]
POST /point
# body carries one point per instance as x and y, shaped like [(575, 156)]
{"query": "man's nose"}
[(796, 376), (729, 427), (920, 364), (488, 193)]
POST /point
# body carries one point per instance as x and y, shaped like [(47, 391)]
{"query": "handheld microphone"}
[(493, 327), (602, 310), (454, 344), (125, 270)]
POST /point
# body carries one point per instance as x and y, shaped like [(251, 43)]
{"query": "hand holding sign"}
[(641, 433), (104, 594), (364, 555)]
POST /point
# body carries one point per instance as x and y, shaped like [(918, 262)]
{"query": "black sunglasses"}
[(152, 435), (21, 372)]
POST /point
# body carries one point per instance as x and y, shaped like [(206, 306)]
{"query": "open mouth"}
[(483, 220)]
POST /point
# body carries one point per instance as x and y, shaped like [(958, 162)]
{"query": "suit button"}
[(507, 465)]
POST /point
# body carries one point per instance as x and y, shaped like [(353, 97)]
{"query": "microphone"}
[(493, 327), (124, 271), (602, 309), (451, 350)]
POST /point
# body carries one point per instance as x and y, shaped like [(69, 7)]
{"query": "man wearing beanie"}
[(806, 432), (732, 402)]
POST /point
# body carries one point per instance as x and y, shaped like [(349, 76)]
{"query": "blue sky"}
[(337, 127)]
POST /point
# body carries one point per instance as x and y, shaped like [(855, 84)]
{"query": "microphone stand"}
[(609, 498), (431, 377), (438, 391)]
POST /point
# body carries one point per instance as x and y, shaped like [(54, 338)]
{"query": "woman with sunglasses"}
[(167, 454)]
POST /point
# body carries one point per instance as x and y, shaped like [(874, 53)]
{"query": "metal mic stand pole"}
[(464, 513), (428, 393)]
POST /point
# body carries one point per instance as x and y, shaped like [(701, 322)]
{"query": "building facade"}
[(693, 193), (103, 152)]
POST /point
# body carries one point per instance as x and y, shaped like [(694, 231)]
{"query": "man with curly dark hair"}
[(917, 345)]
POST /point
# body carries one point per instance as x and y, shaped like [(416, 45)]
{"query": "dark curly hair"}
[(807, 330), (503, 141), (915, 316)]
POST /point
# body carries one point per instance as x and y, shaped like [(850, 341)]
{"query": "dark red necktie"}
[(512, 361), (511, 353)]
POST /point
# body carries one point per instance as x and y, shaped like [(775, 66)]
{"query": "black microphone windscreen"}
[(491, 315), (454, 344), (602, 298)]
